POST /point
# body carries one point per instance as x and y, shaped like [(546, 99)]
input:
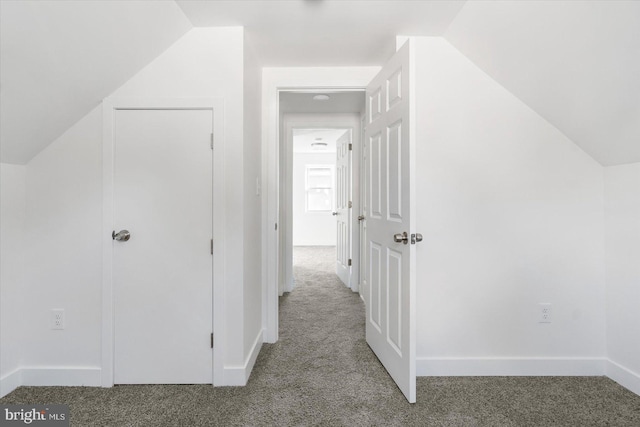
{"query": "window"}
[(319, 188)]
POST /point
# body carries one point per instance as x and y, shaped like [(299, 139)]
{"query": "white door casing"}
[(362, 223), (275, 80), (284, 232), (390, 290), (162, 277), (342, 208)]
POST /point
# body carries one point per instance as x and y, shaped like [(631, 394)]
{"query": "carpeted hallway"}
[(322, 372)]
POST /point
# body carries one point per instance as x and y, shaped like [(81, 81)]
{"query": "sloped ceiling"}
[(309, 33), (59, 59), (576, 63)]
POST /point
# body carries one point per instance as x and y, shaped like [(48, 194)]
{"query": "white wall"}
[(311, 228), (63, 249), (64, 220), (252, 204), (622, 213), (511, 213), (12, 211)]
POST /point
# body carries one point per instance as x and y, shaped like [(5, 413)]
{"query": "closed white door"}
[(343, 208), (390, 295), (163, 274)]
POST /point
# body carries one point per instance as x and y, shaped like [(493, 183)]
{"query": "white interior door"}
[(390, 297), (162, 275), (343, 208)]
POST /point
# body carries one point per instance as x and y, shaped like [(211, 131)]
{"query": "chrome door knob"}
[(401, 238), (361, 218), (334, 213), (121, 236)]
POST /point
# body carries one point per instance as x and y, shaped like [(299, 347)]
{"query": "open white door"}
[(343, 208), (390, 297)]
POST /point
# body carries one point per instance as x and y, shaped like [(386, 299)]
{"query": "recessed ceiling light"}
[(321, 97)]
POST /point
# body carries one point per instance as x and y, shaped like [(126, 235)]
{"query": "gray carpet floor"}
[(321, 372)]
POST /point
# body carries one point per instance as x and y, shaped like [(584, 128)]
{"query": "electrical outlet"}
[(544, 312), (57, 319)]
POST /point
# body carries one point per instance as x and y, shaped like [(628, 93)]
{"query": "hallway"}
[(322, 372)]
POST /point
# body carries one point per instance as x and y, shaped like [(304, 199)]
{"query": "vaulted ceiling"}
[(308, 33), (576, 63), (59, 59)]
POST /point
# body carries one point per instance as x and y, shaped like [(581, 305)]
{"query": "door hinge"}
[(349, 263), (276, 225), (350, 204), (212, 141), (211, 339), (350, 147), (211, 246)]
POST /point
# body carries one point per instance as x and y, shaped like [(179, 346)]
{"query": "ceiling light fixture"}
[(321, 97)]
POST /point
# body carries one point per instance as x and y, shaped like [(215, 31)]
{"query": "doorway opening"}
[(318, 179), (315, 193), (385, 148)]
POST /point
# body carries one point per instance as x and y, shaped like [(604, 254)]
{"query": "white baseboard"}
[(239, 375), (10, 382), (623, 376), (61, 377), (509, 366), (50, 377)]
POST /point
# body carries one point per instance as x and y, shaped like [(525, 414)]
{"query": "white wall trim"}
[(274, 80), (54, 376), (425, 367), (110, 105), (10, 382), (623, 376), (239, 375), (50, 376), (510, 366), (346, 121)]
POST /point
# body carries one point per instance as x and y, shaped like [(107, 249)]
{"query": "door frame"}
[(109, 108), (275, 79), (346, 121)]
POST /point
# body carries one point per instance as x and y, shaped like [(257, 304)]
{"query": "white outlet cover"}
[(57, 319), (544, 312)]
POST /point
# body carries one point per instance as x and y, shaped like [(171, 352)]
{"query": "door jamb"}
[(109, 107), (275, 79), (346, 121)]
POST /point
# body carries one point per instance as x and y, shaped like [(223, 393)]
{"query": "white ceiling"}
[(324, 32), (338, 102), (59, 59), (576, 63), (303, 138)]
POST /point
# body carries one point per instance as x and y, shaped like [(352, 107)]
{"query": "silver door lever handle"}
[(121, 236), (401, 238)]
